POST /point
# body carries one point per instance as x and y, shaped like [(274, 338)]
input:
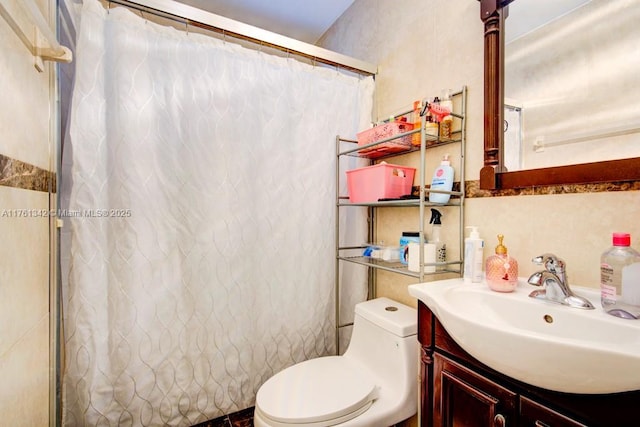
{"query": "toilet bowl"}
[(372, 384)]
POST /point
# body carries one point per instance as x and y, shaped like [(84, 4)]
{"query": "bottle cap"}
[(474, 232), (621, 239), (445, 160), (501, 249), (410, 234)]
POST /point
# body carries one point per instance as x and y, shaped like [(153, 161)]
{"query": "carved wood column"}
[(492, 14)]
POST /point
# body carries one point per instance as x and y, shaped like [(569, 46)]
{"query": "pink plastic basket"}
[(386, 130), (381, 181)]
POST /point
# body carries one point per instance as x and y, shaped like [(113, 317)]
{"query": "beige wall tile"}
[(24, 276), (575, 227), (24, 104), (25, 119), (24, 369)]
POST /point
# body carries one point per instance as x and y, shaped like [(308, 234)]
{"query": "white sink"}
[(547, 345)]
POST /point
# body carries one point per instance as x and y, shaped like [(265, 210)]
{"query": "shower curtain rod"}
[(211, 21)]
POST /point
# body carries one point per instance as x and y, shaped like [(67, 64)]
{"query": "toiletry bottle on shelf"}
[(412, 253), (417, 123), (445, 127), (620, 278), (501, 269), (473, 253), (429, 257), (440, 247), (431, 130), (446, 101), (407, 237), (446, 123), (442, 180)]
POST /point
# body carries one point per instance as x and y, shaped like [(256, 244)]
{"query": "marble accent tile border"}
[(18, 174), (472, 189)]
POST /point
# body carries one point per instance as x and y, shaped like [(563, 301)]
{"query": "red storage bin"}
[(386, 130), (381, 181)]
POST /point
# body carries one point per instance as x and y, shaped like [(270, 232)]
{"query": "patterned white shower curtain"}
[(198, 183)]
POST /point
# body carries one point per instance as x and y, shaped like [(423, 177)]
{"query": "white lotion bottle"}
[(473, 256), (442, 180)]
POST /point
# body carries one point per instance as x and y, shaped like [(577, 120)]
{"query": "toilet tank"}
[(384, 340)]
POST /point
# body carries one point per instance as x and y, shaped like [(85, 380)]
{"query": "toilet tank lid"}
[(397, 318)]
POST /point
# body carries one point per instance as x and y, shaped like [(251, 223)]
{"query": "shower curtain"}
[(198, 189)]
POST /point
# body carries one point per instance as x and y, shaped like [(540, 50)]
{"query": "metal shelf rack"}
[(427, 142)]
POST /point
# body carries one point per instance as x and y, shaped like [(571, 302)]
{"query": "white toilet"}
[(375, 383)]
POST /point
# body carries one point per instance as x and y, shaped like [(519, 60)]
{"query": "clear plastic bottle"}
[(620, 278)]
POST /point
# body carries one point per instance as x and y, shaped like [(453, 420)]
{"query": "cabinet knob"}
[(499, 421)]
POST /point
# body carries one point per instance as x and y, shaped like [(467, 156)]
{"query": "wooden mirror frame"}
[(492, 175)]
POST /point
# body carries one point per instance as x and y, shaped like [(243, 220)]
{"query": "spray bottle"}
[(441, 248)]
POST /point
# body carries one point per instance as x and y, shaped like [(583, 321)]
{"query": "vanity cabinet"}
[(457, 390), (464, 398), (535, 414)]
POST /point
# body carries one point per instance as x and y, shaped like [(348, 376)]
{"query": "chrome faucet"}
[(555, 285)]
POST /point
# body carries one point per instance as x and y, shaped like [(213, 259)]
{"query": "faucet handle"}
[(550, 262)]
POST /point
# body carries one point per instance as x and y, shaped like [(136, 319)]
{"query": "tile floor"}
[(242, 418)]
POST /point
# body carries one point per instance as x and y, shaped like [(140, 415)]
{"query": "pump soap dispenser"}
[(501, 269)]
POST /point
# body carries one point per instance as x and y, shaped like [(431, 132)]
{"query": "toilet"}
[(373, 384)]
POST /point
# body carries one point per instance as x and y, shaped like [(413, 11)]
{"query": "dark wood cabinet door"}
[(463, 398), (533, 414)]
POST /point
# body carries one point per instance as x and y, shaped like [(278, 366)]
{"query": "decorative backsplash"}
[(472, 189), (18, 174)]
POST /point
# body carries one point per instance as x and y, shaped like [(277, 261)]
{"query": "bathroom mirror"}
[(597, 128)]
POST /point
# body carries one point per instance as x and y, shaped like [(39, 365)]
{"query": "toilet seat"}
[(319, 392)]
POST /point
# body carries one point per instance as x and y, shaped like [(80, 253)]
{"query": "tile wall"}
[(25, 178)]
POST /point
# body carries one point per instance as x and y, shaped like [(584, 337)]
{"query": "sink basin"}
[(544, 344)]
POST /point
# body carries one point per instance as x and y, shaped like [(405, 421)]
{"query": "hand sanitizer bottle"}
[(620, 278)]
